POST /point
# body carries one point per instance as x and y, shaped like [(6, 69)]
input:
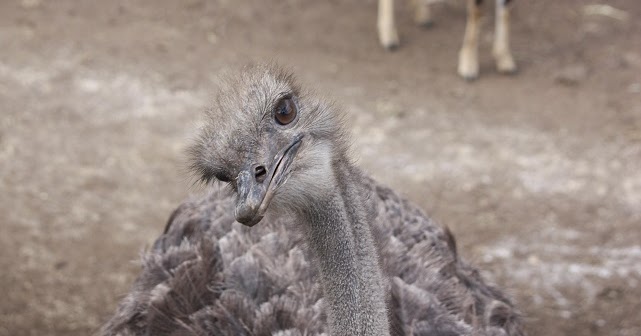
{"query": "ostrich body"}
[(329, 250)]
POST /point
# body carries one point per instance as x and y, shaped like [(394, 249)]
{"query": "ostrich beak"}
[(254, 196)]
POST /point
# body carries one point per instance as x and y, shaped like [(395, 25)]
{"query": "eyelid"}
[(282, 96), (285, 95)]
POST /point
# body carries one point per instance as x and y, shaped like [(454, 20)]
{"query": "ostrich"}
[(468, 66), (294, 239)]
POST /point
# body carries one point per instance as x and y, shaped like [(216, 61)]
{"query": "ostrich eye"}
[(222, 177), (285, 111)]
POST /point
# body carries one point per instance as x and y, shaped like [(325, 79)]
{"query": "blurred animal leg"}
[(468, 65), (387, 34), (501, 49), (422, 13)]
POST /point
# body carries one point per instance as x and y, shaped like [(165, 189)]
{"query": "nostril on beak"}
[(260, 173)]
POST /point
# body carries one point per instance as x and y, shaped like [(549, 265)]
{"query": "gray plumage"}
[(331, 252)]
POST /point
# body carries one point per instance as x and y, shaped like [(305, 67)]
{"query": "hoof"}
[(423, 16), (469, 77), (507, 69), (468, 66), (426, 24), (512, 72), (392, 47), (505, 64)]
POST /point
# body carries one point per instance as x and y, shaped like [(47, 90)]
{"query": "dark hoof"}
[(392, 47), (510, 72), (470, 78), (426, 25)]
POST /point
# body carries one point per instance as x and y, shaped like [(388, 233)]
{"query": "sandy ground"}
[(537, 174)]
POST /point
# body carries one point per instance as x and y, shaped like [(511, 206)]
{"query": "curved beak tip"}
[(249, 221), (247, 214)]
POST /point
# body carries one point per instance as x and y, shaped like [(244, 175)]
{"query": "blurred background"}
[(537, 174)]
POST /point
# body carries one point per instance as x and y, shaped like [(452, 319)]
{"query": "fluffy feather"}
[(209, 275)]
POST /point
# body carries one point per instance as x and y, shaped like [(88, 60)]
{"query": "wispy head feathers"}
[(240, 121)]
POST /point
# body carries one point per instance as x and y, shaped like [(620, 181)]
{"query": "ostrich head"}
[(273, 143)]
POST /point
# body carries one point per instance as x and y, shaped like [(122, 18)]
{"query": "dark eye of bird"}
[(285, 111), (222, 177)]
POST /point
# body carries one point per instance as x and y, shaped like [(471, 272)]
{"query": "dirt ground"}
[(537, 174)]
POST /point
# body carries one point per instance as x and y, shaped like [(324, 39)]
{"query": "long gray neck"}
[(340, 236)]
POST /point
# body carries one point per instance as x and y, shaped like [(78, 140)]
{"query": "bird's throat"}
[(341, 239)]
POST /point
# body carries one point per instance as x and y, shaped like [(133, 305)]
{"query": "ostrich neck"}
[(340, 236)]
